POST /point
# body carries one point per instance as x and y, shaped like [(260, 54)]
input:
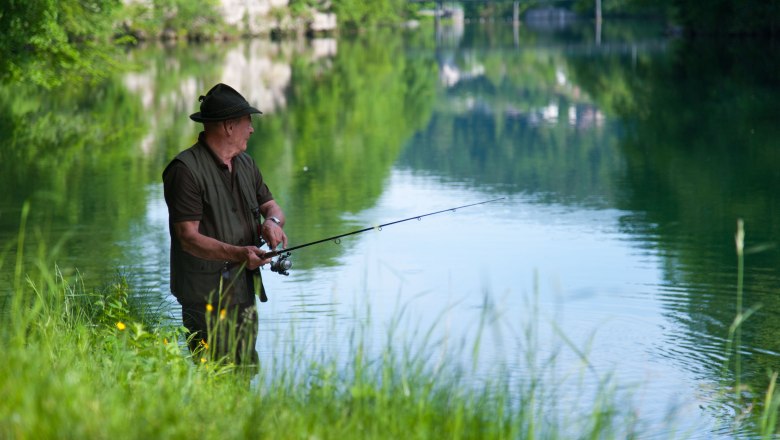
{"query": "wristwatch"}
[(275, 220)]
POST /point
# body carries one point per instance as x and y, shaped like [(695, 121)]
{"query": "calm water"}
[(624, 159)]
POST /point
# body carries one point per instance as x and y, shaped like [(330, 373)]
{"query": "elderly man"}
[(216, 196)]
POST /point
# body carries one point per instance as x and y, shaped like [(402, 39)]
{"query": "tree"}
[(46, 40)]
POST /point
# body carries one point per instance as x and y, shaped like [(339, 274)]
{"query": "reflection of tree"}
[(521, 126), (695, 150), (168, 80), (701, 152), (84, 155), (349, 118), (554, 161), (69, 152)]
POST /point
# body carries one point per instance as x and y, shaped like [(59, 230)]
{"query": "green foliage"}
[(298, 7), (46, 42), (357, 14), (181, 19)]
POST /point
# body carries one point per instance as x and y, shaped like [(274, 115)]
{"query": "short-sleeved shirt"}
[(183, 196), (185, 199)]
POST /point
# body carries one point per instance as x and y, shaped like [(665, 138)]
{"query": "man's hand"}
[(254, 257), (201, 246), (272, 231), (273, 234)]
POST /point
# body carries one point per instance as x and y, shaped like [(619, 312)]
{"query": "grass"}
[(755, 413), (88, 364), (81, 363)]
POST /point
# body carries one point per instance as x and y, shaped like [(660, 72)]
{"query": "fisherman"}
[(218, 204)]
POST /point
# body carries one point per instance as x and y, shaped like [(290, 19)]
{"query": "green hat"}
[(221, 103)]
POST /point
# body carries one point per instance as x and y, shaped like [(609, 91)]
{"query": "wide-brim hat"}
[(221, 103)]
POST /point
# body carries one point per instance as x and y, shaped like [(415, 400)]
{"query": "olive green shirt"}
[(199, 187)]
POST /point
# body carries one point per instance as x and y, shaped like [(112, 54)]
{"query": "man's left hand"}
[(273, 234)]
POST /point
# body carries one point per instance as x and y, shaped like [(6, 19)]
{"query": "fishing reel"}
[(282, 264)]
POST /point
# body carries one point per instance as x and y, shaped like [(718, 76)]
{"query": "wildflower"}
[(222, 313), (165, 341), (202, 360), (204, 343), (121, 325), (209, 307)]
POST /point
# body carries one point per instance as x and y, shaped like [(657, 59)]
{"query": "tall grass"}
[(81, 363), (767, 407), (89, 363), (756, 412)]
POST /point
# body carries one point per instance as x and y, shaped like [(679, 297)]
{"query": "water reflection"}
[(701, 153), (625, 166), (670, 139)]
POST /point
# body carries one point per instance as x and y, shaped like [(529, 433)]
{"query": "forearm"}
[(207, 248), (272, 209)]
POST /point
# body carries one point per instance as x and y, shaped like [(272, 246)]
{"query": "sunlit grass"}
[(85, 364), (94, 363), (90, 363)]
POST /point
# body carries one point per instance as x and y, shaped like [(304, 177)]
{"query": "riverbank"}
[(220, 20)]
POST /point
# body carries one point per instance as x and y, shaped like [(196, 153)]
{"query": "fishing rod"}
[(282, 264)]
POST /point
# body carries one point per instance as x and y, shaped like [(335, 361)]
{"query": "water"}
[(624, 160)]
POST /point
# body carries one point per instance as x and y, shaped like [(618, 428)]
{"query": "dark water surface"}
[(624, 159)]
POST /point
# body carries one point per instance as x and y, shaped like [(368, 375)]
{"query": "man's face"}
[(243, 130)]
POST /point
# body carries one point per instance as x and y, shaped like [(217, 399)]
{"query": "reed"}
[(767, 406), (755, 413)]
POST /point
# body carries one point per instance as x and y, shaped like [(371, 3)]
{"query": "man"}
[(216, 196)]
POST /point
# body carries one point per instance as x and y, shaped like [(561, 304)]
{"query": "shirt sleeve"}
[(263, 193), (182, 194)]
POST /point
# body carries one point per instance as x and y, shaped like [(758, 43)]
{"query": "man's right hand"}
[(255, 257)]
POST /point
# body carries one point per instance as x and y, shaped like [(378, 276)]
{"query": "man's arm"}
[(272, 232), (209, 248)]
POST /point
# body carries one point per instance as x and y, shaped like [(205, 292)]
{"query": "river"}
[(624, 159)]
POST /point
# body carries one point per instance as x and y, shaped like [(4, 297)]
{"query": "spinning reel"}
[(282, 264)]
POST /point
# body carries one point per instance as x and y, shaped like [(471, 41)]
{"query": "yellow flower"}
[(204, 343), (209, 307), (165, 341), (121, 325), (202, 360), (222, 314)]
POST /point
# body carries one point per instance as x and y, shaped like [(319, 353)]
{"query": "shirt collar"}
[(217, 160)]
